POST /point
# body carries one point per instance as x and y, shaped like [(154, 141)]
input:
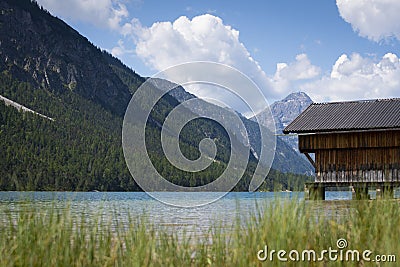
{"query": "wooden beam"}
[(310, 159)]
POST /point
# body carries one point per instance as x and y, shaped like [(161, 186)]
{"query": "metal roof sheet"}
[(347, 116)]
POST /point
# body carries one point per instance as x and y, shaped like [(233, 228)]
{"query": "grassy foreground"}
[(55, 237)]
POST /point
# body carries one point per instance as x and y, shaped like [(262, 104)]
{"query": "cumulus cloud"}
[(301, 69), (203, 38), (357, 77), (375, 19), (207, 38), (102, 13), (287, 75)]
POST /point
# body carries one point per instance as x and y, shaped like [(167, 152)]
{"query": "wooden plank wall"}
[(358, 165), (309, 143), (355, 157)]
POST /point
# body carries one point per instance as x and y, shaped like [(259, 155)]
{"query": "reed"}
[(49, 236)]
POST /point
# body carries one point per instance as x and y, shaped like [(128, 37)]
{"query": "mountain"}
[(49, 68), (287, 109), (44, 51), (284, 112), (286, 159)]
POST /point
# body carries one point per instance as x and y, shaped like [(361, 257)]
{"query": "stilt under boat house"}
[(356, 144)]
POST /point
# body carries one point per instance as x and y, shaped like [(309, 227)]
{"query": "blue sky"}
[(332, 50)]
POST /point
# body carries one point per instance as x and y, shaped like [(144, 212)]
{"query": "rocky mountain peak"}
[(297, 96), (287, 109), (284, 112)]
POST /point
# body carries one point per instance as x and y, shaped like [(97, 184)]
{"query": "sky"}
[(332, 50)]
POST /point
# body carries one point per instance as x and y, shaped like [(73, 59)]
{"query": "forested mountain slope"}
[(50, 68)]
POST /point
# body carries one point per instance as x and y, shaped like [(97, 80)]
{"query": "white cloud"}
[(356, 77), (375, 19), (203, 38), (289, 75), (102, 13), (301, 69), (120, 49), (207, 38)]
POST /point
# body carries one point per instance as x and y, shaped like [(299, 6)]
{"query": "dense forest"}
[(81, 150)]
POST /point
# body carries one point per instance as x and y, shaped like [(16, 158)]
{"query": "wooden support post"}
[(306, 192), (379, 192)]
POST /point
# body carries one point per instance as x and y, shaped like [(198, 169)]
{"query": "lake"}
[(117, 207)]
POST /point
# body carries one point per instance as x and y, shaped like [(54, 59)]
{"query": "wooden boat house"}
[(356, 144)]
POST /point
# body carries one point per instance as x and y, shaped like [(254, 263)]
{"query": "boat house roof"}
[(377, 114)]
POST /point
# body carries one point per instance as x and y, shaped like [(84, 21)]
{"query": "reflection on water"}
[(118, 207)]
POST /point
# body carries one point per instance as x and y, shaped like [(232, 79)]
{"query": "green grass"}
[(49, 236)]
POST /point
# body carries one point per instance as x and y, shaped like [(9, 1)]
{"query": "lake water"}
[(116, 207)]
